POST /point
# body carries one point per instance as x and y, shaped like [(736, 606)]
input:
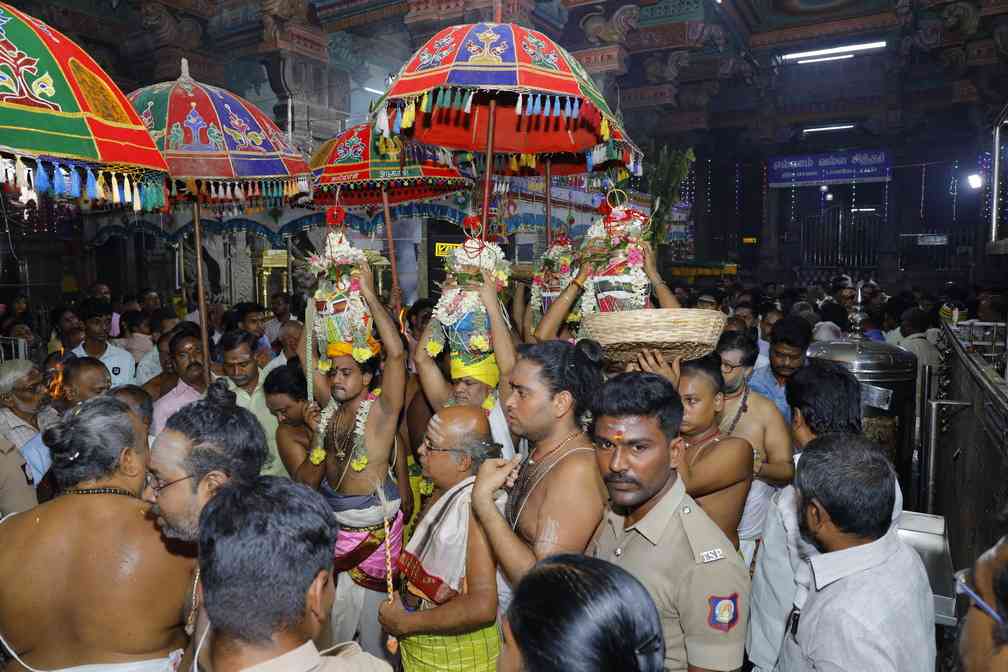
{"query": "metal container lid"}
[(869, 361)]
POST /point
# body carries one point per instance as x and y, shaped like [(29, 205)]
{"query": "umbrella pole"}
[(489, 167), (200, 294), (388, 236), (549, 203)]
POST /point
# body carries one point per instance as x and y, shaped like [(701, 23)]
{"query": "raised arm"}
[(519, 307), (549, 325), (731, 463), (504, 347), (394, 371), (666, 298), (435, 387)]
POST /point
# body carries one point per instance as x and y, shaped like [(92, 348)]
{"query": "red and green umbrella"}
[(360, 167), (508, 89), (223, 148), (58, 106)]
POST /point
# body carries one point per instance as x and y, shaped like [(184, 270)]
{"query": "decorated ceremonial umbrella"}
[(359, 167), (58, 106), (508, 88), (223, 148)]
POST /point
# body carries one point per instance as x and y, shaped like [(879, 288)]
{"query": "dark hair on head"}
[(163, 315), (87, 442), (709, 366), (133, 320), (735, 323), (576, 369), (745, 305), (73, 368), (281, 295), (261, 545), (419, 306), (643, 394), (919, 320), (289, 380), (575, 604), (224, 436), (137, 399), (828, 396), (852, 479), (738, 340), (57, 313), (769, 308), (792, 330), (91, 308), (182, 331), (244, 309), (233, 340)]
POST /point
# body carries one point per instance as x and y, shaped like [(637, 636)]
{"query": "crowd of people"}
[(530, 511)]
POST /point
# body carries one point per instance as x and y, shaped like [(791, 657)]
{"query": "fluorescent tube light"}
[(375, 91), (820, 129), (865, 46), (826, 58)]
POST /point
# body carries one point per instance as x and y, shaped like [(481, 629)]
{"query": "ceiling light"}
[(975, 180), (826, 58), (375, 91), (820, 129), (865, 46), (862, 210)]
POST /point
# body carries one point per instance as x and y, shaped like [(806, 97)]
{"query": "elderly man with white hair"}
[(22, 390)]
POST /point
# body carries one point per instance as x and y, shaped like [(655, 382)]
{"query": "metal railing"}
[(987, 339), (13, 348), (967, 435)]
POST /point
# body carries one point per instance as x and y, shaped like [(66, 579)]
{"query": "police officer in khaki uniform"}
[(658, 533), (17, 490), (266, 561)]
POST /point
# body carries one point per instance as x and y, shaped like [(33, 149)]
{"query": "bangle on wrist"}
[(579, 283)]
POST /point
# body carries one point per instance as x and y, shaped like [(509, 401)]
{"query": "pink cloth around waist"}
[(374, 565)]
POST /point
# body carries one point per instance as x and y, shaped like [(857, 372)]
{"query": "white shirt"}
[(783, 577), (120, 363), (148, 368), (920, 345), (275, 363), (872, 609)]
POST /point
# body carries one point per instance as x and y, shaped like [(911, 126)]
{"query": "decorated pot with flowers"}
[(339, 321), (460, 312), (614, 246), (556, 269)]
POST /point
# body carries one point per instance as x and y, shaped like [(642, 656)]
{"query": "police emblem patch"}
[(116, 370), (723, 613)]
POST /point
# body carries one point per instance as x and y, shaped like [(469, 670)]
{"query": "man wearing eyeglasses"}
[(788, 343), (870, 605), (241, 371), (984, 633), (446, 610)]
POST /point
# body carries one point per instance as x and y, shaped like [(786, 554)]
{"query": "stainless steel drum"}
[(888, 377)]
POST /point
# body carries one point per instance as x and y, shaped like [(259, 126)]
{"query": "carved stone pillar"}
[(172, 30)]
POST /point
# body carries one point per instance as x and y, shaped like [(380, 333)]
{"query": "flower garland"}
[(359, 458), (615, 242), (554, 275)]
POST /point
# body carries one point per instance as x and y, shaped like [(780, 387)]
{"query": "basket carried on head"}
[(689, 333)]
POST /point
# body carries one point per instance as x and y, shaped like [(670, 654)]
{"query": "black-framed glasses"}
[(157, 486), (963, 587)]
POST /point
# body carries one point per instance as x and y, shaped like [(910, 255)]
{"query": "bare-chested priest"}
[(556, 498), (717, 469), (353, 440), (88, 578), (749, 415)]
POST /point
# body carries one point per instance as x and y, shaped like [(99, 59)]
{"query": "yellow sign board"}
[(274, 259), (444, 249)]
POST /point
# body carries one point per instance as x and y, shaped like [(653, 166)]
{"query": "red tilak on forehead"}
[(618, 436)]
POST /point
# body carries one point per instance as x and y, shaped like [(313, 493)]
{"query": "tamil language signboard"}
[(843, 167)]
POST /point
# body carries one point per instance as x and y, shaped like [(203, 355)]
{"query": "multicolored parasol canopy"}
[(360, 162), (544, 101), (210, 134), (56, 101)]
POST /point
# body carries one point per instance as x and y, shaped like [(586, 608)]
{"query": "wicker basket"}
[(677, 332)]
